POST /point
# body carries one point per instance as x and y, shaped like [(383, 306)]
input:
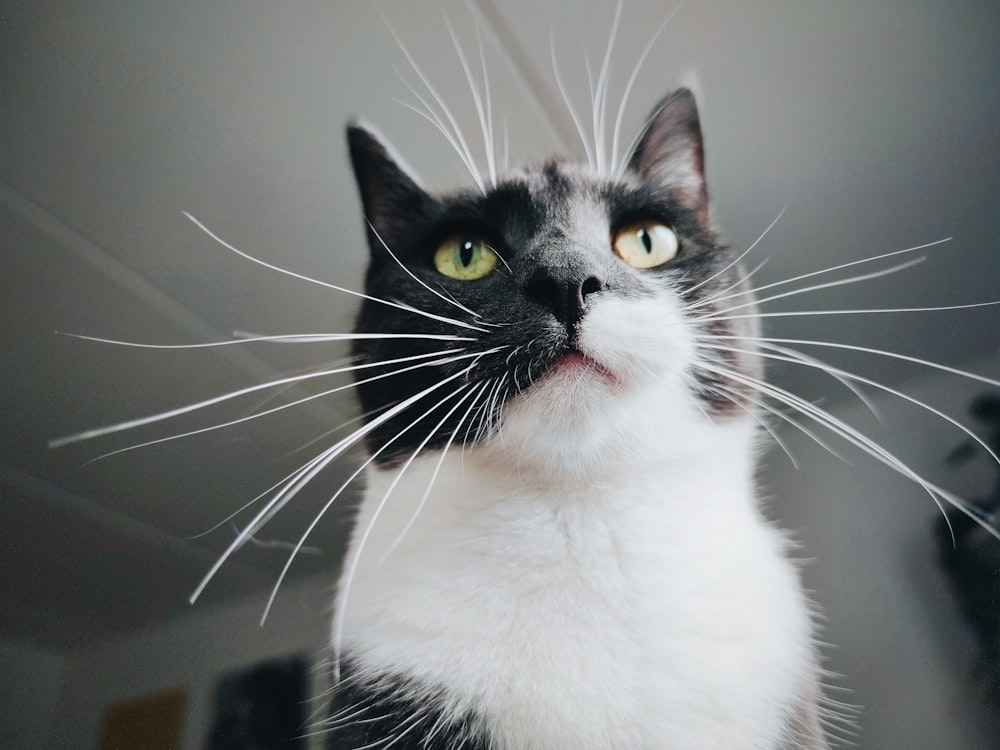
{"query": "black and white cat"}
[(560, 544)]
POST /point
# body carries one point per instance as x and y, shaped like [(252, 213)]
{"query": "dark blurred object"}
[(970, 555), (262, 708), (152, 722)]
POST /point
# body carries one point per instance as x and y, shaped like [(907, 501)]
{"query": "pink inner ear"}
[(670, 156), (680, 174)]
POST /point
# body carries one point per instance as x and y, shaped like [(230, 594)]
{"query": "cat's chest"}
[(603, 620)]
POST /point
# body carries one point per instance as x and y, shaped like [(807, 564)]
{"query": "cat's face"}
[(568, 306)]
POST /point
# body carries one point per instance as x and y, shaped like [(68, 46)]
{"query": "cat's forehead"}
[(557, 195), (557, 178)]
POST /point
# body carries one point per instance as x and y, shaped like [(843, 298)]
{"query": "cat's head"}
[(565, 311)]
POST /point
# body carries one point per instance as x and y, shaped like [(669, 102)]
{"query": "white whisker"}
[(506, 146), (282, 407), (837, 372), (490, 147), (742, 280), (802, 290), (688, 291), (867, 311), (638, 136), (286, 479), (142, 421), (351, 712), (592, 89), (311, 280), (295, 338), (823, 418), (353, 563), (600, 95), (569, 102), (327, 433), (274, 395), (275, 504), (820, 364), (357, 472), (620, 167), (278, 544), (842, 266), (711, 341), (491, 408), (437, 467), (351, 439), (465, 152), (283, 497), (859, 440), (432, 117), (735, 397), (481, 110), (880, 352), (420, 281)]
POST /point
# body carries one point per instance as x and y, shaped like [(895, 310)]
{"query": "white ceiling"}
[(875, 124)]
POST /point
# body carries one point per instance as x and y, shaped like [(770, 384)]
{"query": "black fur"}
[(371, 713)]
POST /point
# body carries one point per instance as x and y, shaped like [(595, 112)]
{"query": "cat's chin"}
[(571, 422)]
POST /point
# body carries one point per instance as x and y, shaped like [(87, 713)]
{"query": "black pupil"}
[(465, 252), (646, 239)]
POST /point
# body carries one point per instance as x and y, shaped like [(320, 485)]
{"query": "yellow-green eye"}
[(464, 258), (646, 244)]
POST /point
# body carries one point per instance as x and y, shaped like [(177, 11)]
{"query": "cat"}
[(559, 544)]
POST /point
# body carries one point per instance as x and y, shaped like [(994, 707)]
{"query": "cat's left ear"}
[(393, 202), (670, 154)]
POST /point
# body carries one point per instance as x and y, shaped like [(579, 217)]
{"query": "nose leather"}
[(564, 291)]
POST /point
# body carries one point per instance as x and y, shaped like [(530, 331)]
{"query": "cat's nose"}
[(564, 291)]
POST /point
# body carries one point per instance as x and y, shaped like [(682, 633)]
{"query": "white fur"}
[(597, 575)]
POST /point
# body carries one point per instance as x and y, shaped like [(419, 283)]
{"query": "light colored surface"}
[(869, 542), (875, 124)]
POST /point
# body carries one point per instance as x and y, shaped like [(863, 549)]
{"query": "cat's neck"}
[(521, 595), (481, 503)]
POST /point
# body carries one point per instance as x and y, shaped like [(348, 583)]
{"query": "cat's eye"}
[(465, 258), (646, 244)]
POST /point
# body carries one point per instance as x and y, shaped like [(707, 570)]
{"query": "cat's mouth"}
[(576, 363)]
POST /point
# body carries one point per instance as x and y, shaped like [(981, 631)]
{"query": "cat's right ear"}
[(670, 154), (393, 202)]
